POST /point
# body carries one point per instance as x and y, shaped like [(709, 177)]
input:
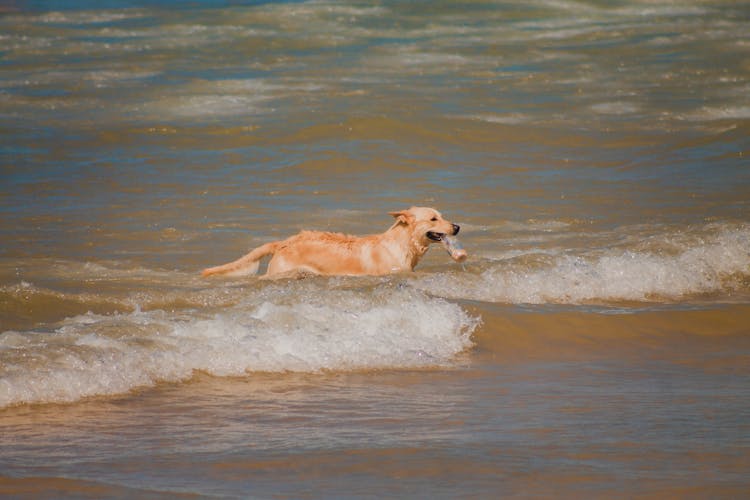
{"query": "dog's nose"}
[(456, 228)]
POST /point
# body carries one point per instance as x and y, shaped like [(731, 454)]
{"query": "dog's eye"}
[(434, 219)]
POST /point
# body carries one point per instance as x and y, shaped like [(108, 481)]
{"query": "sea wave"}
[(278, 328), (741, 112), (146, 326), (89, 17), (670, 266)]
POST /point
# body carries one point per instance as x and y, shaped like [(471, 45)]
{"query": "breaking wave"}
[(277, 329), (714, 260), (151, 326)]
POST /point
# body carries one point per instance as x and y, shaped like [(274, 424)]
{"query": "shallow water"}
[(595, 343)]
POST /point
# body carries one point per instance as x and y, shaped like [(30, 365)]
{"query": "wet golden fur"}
[(397, 249)]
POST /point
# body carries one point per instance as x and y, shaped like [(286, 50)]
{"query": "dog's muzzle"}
[(439, 236)]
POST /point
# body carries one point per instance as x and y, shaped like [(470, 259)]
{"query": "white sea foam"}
[(346, 10), (232, 97), (637, 9), (209, 105), (615, 108), (504, 119), (664, 10), (720, 113), (89, 17), (294, 327), (413, 61), (669, 268), (431, 59), (67, 79), (324, 8)]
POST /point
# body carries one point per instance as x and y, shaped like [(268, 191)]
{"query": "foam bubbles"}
[(503, 119), (720, 113), (615, 108), (214, 105), (296, 327), (712, 260), (89, 17)]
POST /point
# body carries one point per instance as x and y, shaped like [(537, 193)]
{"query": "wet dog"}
[(396, 250)]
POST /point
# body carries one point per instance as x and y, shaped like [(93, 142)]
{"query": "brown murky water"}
[(595, 344)]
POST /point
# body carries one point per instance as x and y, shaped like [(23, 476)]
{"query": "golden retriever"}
[(397, 249)]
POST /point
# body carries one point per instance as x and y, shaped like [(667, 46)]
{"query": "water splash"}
[(301, 327)]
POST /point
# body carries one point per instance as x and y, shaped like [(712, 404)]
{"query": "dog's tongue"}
[(454, 248)]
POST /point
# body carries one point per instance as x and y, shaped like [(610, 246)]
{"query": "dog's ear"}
[(404, 216)]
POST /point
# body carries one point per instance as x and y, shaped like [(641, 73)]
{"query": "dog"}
[(396, 250)]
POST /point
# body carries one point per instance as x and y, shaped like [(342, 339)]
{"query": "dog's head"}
[(426, 224)]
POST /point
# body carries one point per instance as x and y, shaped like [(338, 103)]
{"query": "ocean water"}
[(596, 343)]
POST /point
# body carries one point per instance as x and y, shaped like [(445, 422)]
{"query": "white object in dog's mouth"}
[(454, 248)]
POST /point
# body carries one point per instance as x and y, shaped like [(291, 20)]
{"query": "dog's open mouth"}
[(435, 236)]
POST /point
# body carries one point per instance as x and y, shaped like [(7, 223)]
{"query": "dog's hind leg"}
[(244, 266)]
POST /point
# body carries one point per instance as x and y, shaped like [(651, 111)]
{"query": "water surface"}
[(595, 344)]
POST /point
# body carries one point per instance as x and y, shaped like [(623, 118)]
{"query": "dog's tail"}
[(244, 266)]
